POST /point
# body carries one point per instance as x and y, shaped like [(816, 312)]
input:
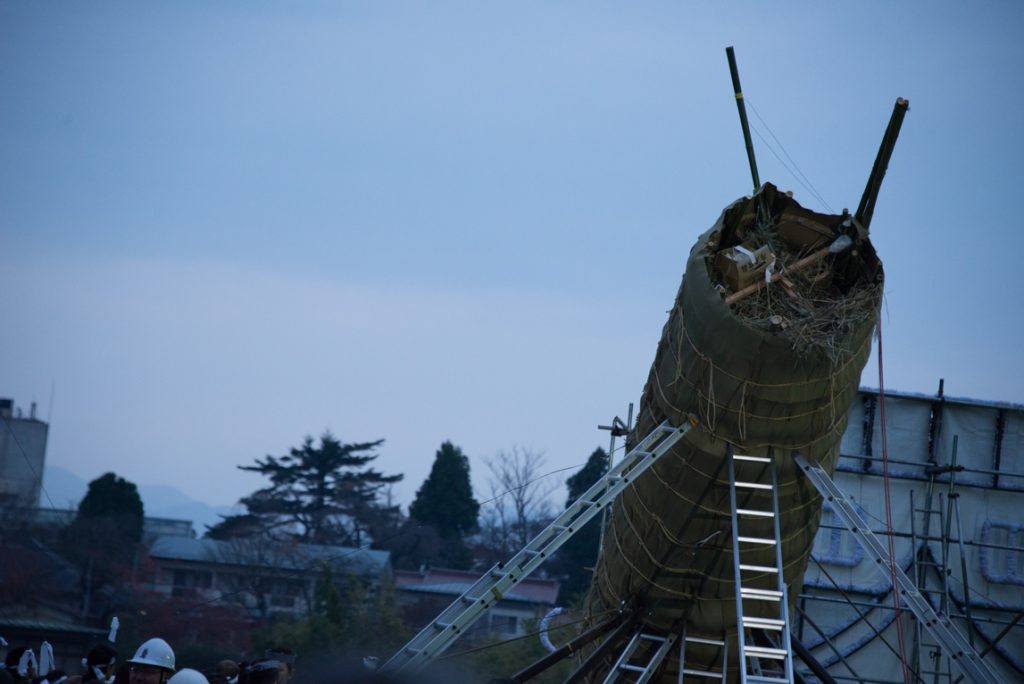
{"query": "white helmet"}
[(187, 676), (155, 652)]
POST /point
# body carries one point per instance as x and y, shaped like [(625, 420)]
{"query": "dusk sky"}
[(225, 226)]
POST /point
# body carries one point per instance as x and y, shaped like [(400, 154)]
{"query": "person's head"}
[(286, 659), (153, 663), (99, 663), (123, 673), (188, 676), (226, 673), (264, 671)]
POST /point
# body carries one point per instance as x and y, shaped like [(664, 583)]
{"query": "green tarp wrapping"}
[(667, 549)]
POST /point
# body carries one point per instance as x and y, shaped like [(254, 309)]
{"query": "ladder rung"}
[(760, 679), (758, 568), (756, 540), (702, 640), (755, 512), (756, 459), (441, 626), (764, 623), (753, 485), (652, 637), (702, 673), (765, 652), (763, 594), (633, 668)]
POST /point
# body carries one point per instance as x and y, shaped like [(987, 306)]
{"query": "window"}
[(193, 579)]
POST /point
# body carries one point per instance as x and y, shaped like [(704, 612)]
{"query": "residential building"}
[(425, 593), (264, 576)]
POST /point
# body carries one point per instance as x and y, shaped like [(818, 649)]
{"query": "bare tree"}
[(519, 498)]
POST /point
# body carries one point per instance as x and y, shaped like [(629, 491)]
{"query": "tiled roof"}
[(261, 554), (456, 582), (48, 626)]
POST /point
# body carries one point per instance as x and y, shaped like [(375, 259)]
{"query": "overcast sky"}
[(225, 226)]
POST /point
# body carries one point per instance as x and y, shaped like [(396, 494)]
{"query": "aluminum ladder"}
[(938, 624), (492, 586), (645, 671), (692, 672), (767, 665)]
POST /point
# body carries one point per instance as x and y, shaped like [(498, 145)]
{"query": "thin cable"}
[(809, 185), (28, 462), (786, 166), (888, 507), (862, 616), (527, 484), (496, 644)]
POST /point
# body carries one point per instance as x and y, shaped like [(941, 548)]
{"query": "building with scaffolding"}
[(956, 496)]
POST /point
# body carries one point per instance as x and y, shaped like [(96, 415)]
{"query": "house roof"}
[(48, 626), (261, 553), (456, 582)]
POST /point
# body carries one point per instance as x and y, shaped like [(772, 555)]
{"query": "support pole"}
[(867, 202), (963, 570), (731, 55), (817, 668), (595, 658)]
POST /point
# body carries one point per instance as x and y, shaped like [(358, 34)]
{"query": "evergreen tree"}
[(103, 537), (445, 502), (580, 552), (115, 500), (320, 494)]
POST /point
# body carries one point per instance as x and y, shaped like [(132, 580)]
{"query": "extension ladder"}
[(766, 664), (645, 671), (491, 587), (684, 671), (937, 623)]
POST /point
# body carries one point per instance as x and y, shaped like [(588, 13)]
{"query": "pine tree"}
[(580, 552), (320, 494), (445, 502)]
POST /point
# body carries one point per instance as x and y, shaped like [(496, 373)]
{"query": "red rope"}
[(888, 508)]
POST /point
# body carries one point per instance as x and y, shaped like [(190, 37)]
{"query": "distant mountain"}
[(65, 490)]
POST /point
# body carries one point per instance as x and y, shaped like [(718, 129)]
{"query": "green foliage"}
[(320, 494), (114, 499), (445, 502), (103, 537), (234, 526), (345, 619), (580, 552)]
